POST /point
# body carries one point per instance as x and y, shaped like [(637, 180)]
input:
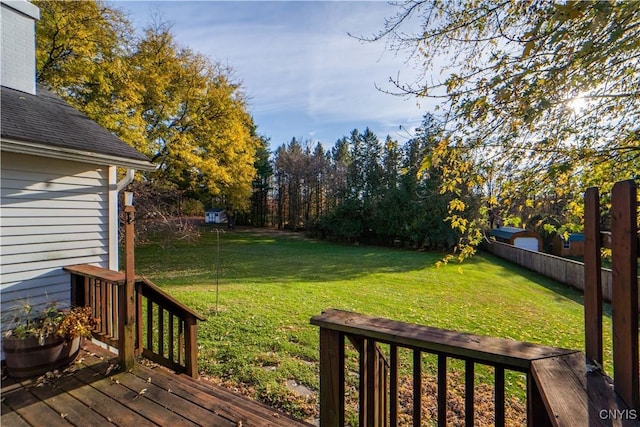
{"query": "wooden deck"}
[(91, 393)]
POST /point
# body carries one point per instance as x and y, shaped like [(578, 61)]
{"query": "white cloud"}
[(303, 74)]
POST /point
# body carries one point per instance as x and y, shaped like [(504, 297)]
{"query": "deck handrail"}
[(513, 354), (169, 302), (561, 389), (170, 340), (99, 273), (178, 329)]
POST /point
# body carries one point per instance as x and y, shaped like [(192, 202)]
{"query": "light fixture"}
[(128, 198)]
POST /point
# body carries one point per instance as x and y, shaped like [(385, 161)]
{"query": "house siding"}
[(54, 213)]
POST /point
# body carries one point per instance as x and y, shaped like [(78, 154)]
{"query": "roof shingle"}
[(47, 119)]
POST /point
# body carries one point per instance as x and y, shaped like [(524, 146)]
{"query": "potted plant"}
[(39, 341)]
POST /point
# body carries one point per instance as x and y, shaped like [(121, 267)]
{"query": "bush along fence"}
[(560, 269)]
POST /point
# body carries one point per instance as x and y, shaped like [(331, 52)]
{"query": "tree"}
[(383, 195), (290, 168), (261, 184), (428, 207), (340, 161), (540, 92), (178, 107), (82, 50), (317, 181)]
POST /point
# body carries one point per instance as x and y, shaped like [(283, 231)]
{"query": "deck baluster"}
[(393, 385), (160, 331), (499, 396), (149, 325), (170, 332), (417, 388), (180, 342), (469, 392), (442, 390)]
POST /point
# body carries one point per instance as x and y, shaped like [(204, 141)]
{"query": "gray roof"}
[(47, 119)]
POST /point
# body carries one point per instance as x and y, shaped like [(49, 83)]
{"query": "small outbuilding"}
[(518, 237), (215, 216), (573, 245)]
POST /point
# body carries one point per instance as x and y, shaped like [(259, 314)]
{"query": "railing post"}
[(624, 266), (126, 310), (592, 277), (331, 378), (191, 346)]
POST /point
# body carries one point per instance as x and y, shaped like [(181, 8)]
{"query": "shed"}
[(573, 245), (58, 177), (215, 216), (518, 237)]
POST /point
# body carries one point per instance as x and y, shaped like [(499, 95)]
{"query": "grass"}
[(270, 284)]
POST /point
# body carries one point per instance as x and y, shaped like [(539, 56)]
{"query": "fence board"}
[(573, 270)]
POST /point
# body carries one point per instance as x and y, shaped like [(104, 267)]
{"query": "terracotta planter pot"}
[(27, 358)]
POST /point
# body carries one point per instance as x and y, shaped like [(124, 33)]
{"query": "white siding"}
[(54, 213)]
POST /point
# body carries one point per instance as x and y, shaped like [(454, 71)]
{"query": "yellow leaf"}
[(527, 49)]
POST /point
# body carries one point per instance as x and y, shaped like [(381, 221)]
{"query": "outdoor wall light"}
[(128, 198)]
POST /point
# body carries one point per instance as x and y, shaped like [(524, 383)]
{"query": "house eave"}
[(42, 150)]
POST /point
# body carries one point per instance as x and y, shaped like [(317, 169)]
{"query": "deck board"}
[(11, 418), (91, 392), (67, 406), (32, 410), (577, 397)]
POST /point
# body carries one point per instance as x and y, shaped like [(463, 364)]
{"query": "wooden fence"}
[(560, 269)]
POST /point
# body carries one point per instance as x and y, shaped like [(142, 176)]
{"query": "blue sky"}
[(303, 75)]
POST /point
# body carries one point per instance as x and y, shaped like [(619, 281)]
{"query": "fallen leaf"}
[(143, 391)]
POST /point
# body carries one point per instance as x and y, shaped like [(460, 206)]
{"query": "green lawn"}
[(270, 284)]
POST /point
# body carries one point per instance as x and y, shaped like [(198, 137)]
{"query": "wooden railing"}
[(560, 391), (166, 330), (170, 328), (623, 242), (103, 291)]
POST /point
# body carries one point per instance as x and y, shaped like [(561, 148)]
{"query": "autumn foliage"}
[(178, 107)]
